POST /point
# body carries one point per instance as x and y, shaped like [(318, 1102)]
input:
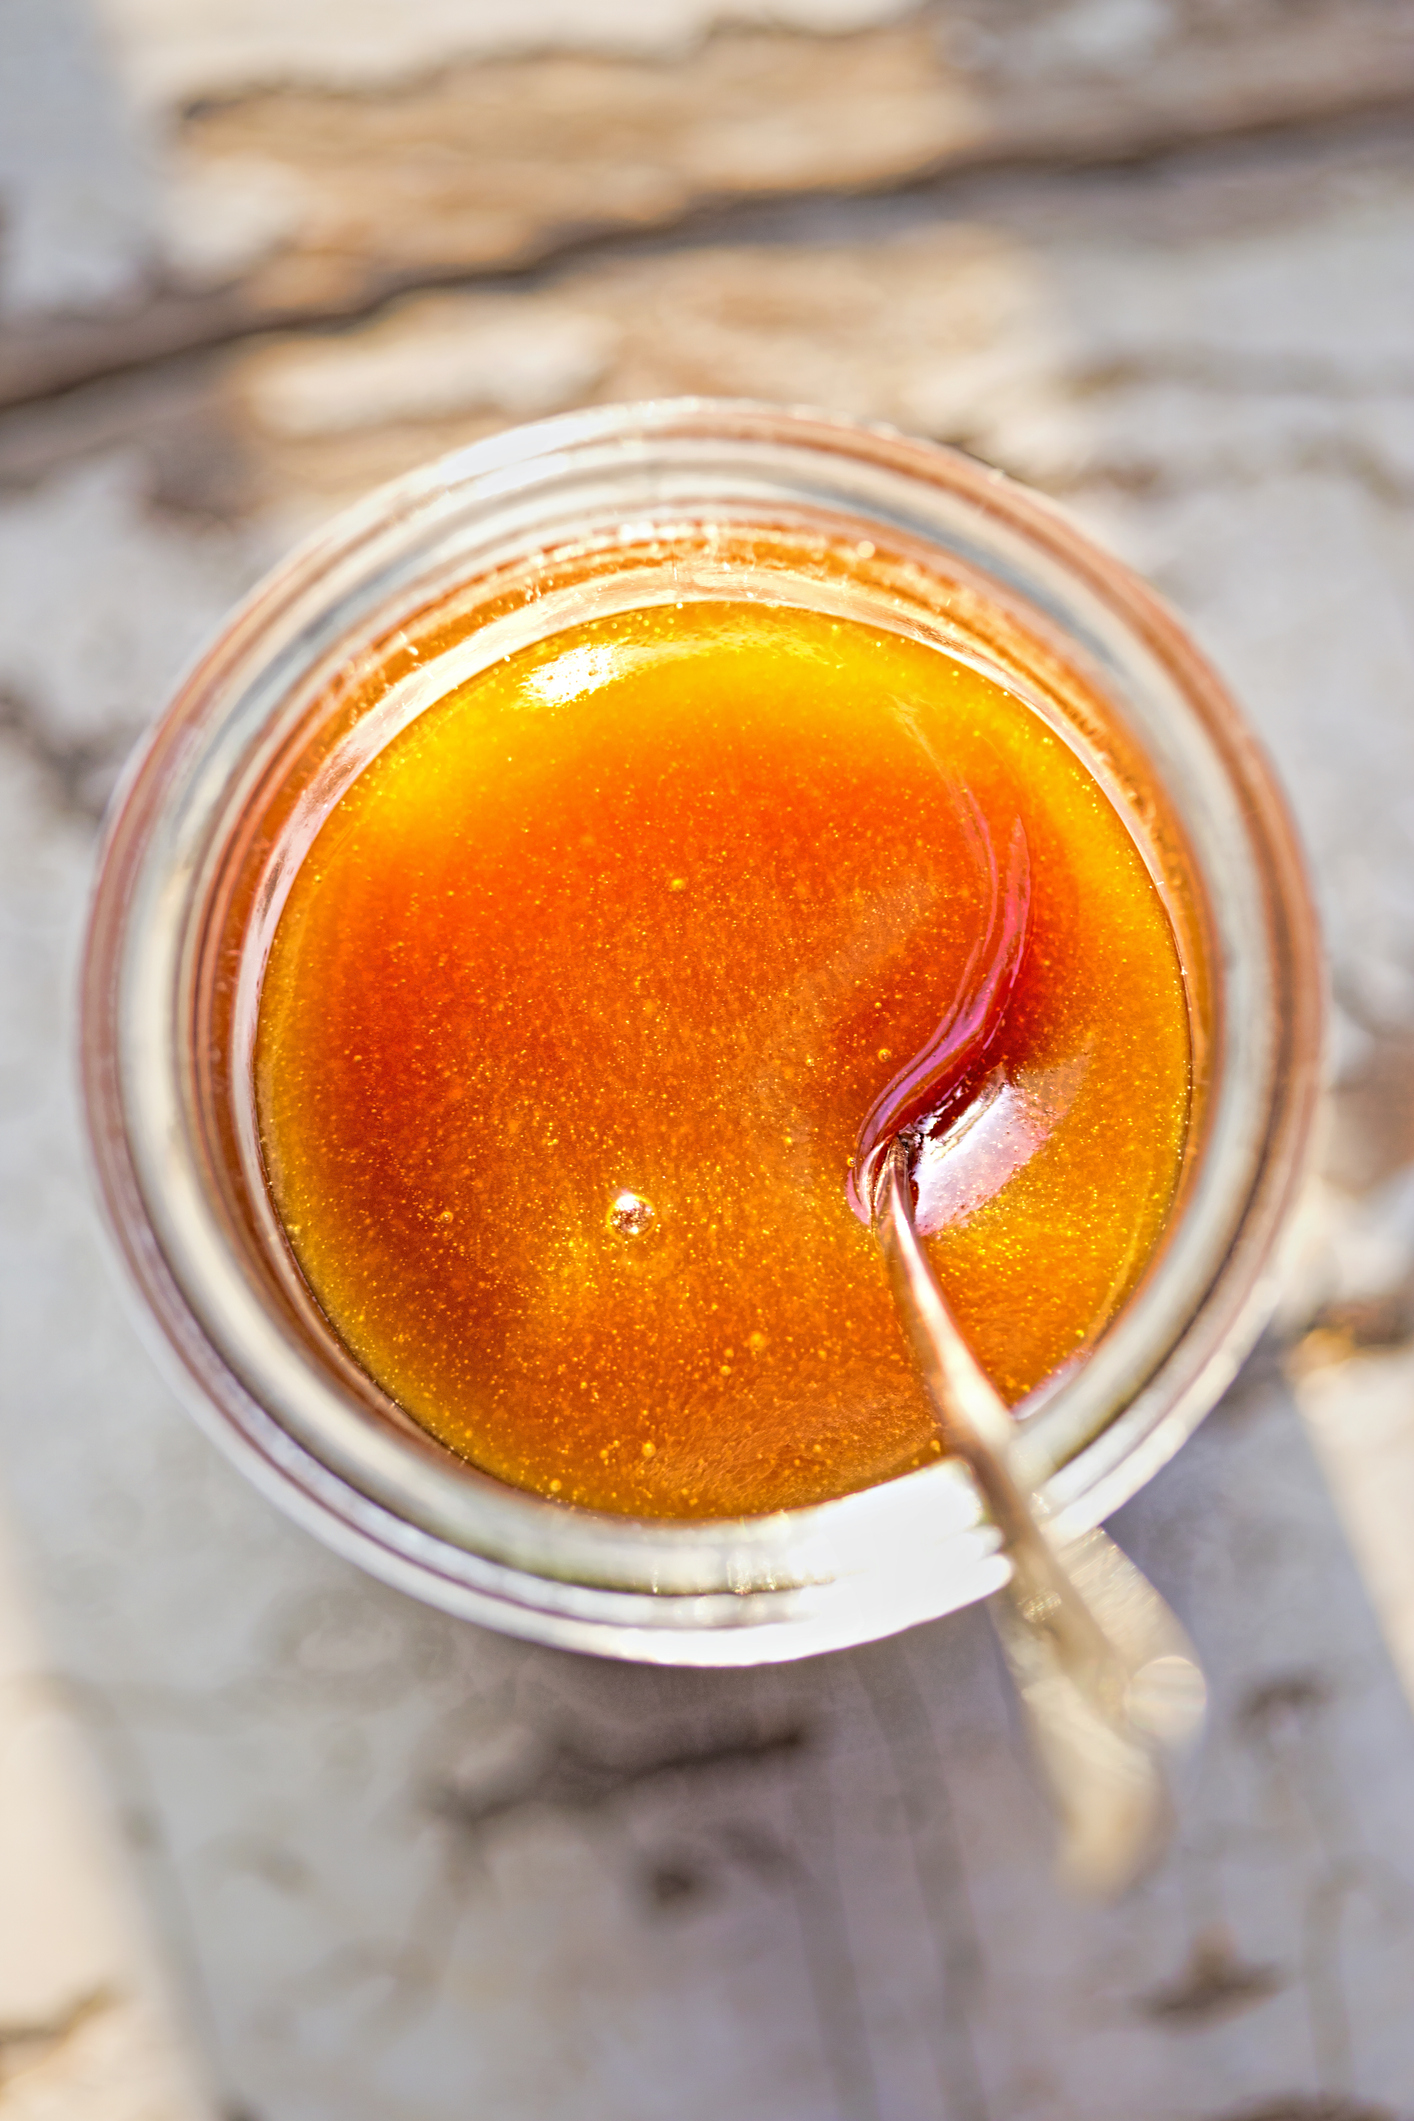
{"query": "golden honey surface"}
[(578, 1002)]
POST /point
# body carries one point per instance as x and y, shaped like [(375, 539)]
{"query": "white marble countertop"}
[(278, 1845)]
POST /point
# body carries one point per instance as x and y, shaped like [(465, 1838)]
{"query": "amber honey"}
[(581, 1001)]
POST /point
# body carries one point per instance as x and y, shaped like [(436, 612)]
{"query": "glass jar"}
[(437, 576)]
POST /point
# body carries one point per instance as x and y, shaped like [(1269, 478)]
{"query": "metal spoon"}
[(1109, 1680)]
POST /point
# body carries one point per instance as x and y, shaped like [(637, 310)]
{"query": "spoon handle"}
[(1106, 1674)]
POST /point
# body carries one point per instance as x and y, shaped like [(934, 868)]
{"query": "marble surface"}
[(277, 1845)]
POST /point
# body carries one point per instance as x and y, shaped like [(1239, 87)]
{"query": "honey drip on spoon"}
[(921, 1097)]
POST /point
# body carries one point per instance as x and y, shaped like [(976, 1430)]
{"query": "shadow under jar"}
[(487, 557)]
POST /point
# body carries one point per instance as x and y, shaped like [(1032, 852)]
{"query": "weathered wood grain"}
[(296, 205)]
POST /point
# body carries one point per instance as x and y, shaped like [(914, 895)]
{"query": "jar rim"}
[(797, 1581)]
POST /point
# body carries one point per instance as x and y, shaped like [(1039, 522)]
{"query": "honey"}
[(584, 1001)]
